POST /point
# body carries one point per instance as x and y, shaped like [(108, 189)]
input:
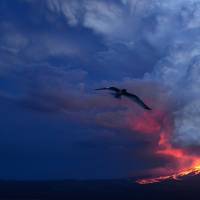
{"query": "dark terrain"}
[(188, 188)]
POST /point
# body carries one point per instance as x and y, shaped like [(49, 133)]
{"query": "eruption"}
[(161, 124), (176, 129)]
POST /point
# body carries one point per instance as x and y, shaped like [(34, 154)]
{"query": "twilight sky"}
[(53, 53)]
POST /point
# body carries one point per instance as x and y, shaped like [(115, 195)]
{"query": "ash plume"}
[(179, 70)]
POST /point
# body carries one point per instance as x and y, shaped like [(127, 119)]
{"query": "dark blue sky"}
[(53, 53)]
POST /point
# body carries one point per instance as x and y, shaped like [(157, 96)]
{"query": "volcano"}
[(159, 124)]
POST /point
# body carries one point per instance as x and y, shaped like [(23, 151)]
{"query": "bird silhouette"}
[(123, 92)]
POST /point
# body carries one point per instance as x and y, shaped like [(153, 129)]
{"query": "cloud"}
[(139, 28), (70, 9), (128, 21), (179, 70), (37, 46), (114, 20), (102, 17), (13, 42)]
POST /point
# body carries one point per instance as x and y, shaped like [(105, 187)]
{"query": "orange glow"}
[(176, 176), (160, 123), (147, 123)]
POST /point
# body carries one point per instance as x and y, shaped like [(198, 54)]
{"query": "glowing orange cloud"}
[(146, 123), (161, 123)]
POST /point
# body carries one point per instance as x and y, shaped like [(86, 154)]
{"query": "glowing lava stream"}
[(176, 176), (159, 123)]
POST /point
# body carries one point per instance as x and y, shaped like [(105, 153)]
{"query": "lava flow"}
[(160, 123), (176, 176)]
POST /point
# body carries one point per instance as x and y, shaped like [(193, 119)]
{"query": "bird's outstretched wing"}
[(137, 100), (109, 88)]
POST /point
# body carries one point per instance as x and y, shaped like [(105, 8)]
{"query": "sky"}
[(54, 53)]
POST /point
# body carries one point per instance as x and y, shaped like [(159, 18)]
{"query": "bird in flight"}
[(123, 92)]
